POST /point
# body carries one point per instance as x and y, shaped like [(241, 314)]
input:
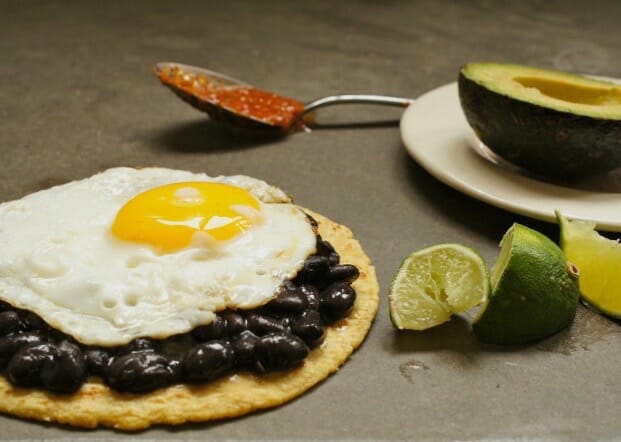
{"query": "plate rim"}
[(408, 126)]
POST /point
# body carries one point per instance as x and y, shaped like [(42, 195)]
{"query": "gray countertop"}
[(78, 97)]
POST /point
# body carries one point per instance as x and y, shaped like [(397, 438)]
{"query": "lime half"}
[(434, 283), (534, 290), (599, 261)]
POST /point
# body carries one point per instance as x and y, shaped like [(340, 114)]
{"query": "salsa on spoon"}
[(235, 102)]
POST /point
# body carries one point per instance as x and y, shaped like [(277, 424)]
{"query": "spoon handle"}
[(357, 99)]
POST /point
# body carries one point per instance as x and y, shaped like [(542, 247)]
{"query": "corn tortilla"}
[(95, 404)]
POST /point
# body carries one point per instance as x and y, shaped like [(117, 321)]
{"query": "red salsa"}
[(267, 107)]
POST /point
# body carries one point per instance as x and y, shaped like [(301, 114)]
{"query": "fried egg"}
[(148, 252)]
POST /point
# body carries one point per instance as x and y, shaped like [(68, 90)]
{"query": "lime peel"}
[(534, 294)]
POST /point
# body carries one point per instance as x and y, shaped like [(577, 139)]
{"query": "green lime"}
[(599, 261), (534, 290), (436, 282)]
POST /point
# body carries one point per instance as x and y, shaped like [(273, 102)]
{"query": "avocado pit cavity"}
[(572, 92)]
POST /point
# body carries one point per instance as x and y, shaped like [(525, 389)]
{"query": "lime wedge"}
[(599, 261), (435, 282), (534, 290)]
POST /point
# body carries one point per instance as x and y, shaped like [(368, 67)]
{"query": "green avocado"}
[(554, 124)]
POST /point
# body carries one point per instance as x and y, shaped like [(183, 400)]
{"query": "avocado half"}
[(555, 124)]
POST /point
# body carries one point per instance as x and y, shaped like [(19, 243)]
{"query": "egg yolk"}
[(174, 216)]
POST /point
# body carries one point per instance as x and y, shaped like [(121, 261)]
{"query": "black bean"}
[(312, 296), (32, 321), (139, 372), (279, 351), (67, 371), (209, 360), (176, 367), (213, 330), (309, 327), (334, 258), (234, 323), (97, 360), (11, 343), (10, 322), (174, 347), (324, 248), (289, 301), (337, 300), (138, 344), (343, 273), (4, 306), (244, 345), (260, 324), (24, 369), (314, 270)]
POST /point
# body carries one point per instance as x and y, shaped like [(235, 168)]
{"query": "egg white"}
[(59, 260)]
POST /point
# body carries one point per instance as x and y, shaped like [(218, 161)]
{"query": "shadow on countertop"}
[(208, 136), (483, 218)]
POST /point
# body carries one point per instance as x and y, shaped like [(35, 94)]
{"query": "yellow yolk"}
[(174, 216)]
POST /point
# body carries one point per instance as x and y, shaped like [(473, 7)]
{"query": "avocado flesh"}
[(554, 124)]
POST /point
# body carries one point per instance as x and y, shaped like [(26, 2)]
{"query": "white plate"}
[(437, 135)]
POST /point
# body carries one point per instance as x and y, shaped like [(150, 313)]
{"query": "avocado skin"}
[(551, 143)]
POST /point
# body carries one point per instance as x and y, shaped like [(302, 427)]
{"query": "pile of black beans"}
[(276, 336)]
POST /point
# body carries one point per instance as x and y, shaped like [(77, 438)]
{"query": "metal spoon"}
[(237, 103)]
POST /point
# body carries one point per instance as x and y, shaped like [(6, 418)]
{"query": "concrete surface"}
[(78, 96)]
